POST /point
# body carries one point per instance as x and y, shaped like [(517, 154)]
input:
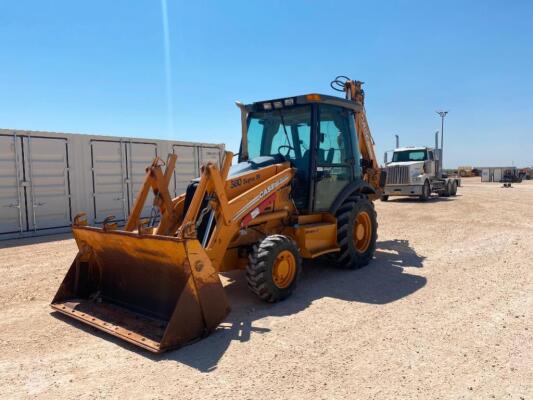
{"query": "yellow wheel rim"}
[(284, 269), (362, 232)]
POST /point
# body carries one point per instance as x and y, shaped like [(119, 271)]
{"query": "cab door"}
[(429, 164), (335, 155)]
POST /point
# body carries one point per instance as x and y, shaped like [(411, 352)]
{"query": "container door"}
[(485, 175), (48, 193), (109, 180), (186, 167), (497, 174), (12, 205), (210, 154), (139, 156)]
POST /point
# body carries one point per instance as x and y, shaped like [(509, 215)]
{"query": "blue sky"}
[(99, 67)]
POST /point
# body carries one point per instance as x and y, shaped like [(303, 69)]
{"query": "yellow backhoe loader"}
[(302, 189)]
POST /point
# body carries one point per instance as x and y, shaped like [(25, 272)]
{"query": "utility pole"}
[(442, 115)]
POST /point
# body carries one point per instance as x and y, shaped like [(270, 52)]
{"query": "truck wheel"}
[(426, 192), (453, 191), (448, 189), (384, 197), (357, 229), (274, 268)]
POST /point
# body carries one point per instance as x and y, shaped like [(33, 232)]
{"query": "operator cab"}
[(289, 129)]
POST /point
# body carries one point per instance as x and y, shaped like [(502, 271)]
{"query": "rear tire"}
[(448, 189), (454, 188), (357, 228), (426, 192), (274, 268)]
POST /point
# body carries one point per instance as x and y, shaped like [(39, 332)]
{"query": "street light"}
[(442, 115)]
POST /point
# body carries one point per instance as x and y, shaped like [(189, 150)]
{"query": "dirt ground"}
[(445, 311)]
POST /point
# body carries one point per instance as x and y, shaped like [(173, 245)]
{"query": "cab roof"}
[(288, 102), (412, 148)]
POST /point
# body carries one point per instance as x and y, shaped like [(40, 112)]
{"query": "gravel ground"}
[(443, 312)]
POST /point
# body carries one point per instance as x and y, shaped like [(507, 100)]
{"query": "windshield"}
[(286, 132), (409, 155)]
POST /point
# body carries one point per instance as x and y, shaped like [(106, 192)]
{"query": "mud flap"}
[(157, 292)]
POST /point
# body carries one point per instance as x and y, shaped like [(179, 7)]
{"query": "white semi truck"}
[(417, 171)]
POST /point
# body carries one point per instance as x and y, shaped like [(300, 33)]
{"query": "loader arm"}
[(230, 213)]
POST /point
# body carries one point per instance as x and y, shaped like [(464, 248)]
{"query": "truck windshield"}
[(409, 155), (286, 132)]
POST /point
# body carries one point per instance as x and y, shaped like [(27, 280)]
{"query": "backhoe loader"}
[(302, 188)]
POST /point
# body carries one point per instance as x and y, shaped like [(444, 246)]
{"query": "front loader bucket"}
[(157, 292)]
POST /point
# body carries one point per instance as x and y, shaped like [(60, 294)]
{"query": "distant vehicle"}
[(417, 171), (476, 172), (526, 173), (511, 178), (465, 172)]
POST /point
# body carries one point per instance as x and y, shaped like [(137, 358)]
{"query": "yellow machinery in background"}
[(465, 171), (302, 188)]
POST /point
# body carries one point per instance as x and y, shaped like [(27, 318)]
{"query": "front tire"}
[(357, 228), (426, 192), (274, 268)]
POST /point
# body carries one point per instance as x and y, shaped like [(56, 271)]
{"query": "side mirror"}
[(385, 158)]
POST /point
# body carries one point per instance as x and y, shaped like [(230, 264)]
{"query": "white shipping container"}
[(46, 178), (497, 175), (485, 175)]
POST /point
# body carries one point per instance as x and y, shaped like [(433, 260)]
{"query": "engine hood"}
[(254, 164)]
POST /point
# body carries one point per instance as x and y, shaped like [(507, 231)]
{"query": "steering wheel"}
[(289, 148)]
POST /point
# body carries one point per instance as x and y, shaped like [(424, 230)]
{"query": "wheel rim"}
[(362, 231), (284, 269)]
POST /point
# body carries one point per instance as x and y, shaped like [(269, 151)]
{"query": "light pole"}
[(442, 115)]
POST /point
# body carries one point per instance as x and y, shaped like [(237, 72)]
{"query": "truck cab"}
[(416, 171)]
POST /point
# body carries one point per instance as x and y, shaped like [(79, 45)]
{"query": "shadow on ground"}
[(382, 281), (413, 199)]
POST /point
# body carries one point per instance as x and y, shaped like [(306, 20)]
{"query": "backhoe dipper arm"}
[(373, 173)]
